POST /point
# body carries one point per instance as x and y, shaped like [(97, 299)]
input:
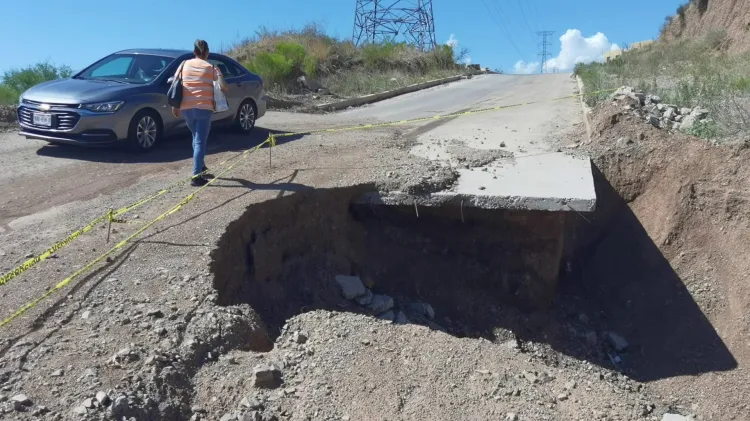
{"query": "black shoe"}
[(198, 181), (206, 174)]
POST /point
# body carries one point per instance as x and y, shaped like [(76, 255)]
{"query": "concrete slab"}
[(505, 159)]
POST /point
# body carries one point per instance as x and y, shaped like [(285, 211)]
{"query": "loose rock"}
[(351, 286), (618, 342), (299, 337), (266, 376), (380, 303), (21, 399), (102, 398)]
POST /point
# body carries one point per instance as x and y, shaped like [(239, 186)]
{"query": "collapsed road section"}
[(283, 256)]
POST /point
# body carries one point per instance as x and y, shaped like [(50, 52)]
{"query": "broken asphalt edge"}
[(368, 99), (551, 204)]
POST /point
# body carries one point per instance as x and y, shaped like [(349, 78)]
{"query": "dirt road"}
[(149, 331)]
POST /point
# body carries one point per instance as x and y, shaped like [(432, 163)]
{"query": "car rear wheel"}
[(145, 131), (245, 120)]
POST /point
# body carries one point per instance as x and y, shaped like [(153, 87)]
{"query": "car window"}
[(117, 67), (128, 68), (226, 68)]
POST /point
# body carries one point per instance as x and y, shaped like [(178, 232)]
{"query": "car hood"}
[(76, 91)]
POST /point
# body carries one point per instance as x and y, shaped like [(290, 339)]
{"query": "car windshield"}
[(127, 68)]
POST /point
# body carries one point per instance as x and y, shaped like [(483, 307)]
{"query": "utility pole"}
[(544, 54), (411, 21)]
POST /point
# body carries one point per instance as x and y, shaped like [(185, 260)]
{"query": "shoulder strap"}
[(179, 70)]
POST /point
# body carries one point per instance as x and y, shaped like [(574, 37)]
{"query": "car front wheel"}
[(145, 131), (246, 117)]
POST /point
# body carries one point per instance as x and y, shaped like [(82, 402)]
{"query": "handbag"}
[(220, 100), (174, 94)]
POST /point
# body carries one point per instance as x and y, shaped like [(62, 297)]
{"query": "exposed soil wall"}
[(704, 16), (282, 256)]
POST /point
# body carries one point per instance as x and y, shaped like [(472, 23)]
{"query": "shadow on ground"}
[(282, 257), (174, 148)]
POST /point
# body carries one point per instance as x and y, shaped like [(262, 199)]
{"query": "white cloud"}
[(574, 48), (523, 68), (453, 43)]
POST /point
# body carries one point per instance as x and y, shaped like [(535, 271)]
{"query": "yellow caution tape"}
[(108, 216), (124, 242), (435, 117)]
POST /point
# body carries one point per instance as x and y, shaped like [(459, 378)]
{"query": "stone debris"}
[(250, 403), (401, 318), (300, 337), (266, 376), (380, 304), (120, 405), (388, 316), (365, 299), (618, 342), (20, 402), (351, 286), (658, 114), (102, 398)]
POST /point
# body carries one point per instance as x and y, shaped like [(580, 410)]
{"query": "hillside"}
[(699, 18)]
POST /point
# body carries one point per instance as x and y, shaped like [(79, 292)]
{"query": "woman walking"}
[(197, 106)]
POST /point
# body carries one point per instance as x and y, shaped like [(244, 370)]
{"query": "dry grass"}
[(685, 73), (280, 57)]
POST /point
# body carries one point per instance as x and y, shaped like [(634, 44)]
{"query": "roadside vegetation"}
[(686, 73), (15, 81), (281, 57), (338, 65)]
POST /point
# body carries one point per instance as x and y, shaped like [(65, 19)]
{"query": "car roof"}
[(156, 52)]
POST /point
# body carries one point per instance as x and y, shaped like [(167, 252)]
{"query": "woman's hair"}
[(201, 48)]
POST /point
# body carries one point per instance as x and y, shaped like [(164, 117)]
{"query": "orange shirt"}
[(197, 84)]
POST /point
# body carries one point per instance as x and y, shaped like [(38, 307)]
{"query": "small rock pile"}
[(658, 114), (382, 306), (7, 116)]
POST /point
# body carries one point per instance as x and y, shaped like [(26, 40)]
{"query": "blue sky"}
[(498, 33)]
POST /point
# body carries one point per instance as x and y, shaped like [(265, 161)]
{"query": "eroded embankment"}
[(282, 256)]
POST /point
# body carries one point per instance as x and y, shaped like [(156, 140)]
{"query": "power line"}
[(543, 45), (503, 28), (533, 11), (520, 7)]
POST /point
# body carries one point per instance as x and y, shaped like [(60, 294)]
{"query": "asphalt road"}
[(538, 176)]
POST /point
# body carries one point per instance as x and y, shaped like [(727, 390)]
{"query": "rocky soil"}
[(650, 323)]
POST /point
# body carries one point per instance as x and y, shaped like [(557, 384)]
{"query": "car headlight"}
[(104, 107)]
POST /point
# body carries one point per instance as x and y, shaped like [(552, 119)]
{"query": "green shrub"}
[(8, 96), (281, 56), (23, 79), (16, 81), (311, 66)]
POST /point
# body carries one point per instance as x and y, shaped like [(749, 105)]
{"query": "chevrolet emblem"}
[(44, 107)]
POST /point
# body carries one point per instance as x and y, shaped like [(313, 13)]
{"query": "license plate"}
[(42, 119)]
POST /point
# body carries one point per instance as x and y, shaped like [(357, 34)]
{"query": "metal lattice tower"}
[(544, 54), (377, 21)]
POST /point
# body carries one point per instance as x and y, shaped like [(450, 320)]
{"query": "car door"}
[(234, 83), (170, 123)]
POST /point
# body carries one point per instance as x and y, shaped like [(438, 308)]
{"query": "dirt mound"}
[(702, 17), (666, 266)]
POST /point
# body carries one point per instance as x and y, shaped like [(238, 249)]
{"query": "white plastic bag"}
[(220, 100)]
